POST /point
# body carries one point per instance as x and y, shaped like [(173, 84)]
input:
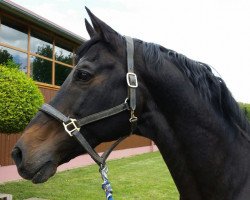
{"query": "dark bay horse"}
[(181, 105)]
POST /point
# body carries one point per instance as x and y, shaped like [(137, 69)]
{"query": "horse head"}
[(96, 83)]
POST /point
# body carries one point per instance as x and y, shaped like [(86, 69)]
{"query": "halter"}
[(73, 126)]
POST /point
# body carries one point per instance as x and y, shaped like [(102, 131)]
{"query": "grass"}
[(140, 177)]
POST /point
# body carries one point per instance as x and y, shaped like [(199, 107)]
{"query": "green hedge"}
[(246, 109), (20, 99)]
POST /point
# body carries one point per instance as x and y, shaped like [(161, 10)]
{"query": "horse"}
[(186, 110)]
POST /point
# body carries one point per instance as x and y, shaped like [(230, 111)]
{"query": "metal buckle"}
[(133, 118), (132, 76), (71, 126)]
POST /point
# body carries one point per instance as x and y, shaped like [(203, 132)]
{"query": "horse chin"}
[(44, 173)]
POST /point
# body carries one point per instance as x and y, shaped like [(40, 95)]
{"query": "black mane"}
[(212, 88)]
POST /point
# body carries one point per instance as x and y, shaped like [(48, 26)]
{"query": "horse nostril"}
[(17, 156)]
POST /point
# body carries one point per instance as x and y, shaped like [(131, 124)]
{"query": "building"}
[(45, 52)]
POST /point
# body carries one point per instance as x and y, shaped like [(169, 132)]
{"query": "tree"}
[(65, 59), (246, 109), (42, 69), (5, 56), (7, 59), (62, 71)]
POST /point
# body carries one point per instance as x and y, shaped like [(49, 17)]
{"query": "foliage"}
[(11, 64), (62, 58), (142, 177), (7, 60), (246, 109), (61, 71), (5, 56), (19, 100), (42, 69)]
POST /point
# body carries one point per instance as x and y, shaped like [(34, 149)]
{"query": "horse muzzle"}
[(38, 170)]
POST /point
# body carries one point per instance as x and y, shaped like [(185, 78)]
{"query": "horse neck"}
[(199, 147), (153, 121)]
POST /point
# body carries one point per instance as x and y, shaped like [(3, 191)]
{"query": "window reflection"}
[(41, 44), (61, 73), (13, 58), (13, 33), (41, 70), (64, 53)]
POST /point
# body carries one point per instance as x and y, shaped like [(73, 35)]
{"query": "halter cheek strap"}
[(132, 81), (73, 126)]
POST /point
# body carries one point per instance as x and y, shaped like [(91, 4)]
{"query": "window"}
[(13, 33), (41, 70), (41, 44), (61, 73), (64, 52), (16, 57), (43, 56)]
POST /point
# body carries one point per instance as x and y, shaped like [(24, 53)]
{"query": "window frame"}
[(54, 36)]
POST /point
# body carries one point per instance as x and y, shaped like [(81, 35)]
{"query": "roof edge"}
[(20, 11)]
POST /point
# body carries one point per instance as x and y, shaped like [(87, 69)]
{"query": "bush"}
[(20, 99), (246, 109), (11, 64)]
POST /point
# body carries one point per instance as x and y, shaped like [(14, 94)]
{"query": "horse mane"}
[(212, 88)]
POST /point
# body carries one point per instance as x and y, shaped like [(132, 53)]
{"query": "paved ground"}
[(9, 173)]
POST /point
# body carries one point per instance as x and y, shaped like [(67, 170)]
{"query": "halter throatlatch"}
[(73, 126)]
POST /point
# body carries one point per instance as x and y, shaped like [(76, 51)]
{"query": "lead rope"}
[(106, 186)]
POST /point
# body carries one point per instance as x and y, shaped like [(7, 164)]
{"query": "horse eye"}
[(83, 75)]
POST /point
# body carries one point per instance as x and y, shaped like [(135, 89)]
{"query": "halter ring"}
[(71, 126)]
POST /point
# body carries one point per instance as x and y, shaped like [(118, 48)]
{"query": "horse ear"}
[(89, 28), (101, 28)]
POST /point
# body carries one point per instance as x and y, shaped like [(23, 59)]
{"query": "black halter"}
[(72, 126)]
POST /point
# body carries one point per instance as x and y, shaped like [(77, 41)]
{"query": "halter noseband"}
[(72, 126)]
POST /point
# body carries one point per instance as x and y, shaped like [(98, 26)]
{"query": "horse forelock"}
[(112, 45), (210, 87), (85, 47)]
